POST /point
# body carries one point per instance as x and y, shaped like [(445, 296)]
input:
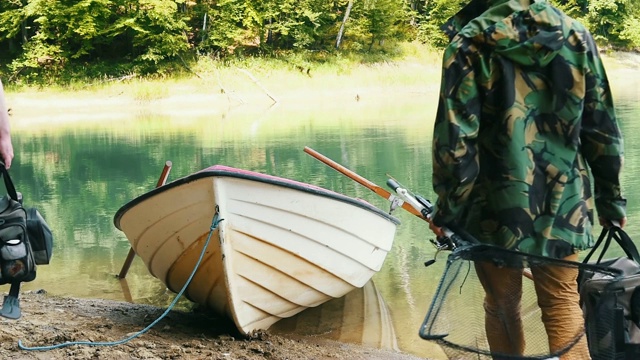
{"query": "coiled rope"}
[(214, 225)]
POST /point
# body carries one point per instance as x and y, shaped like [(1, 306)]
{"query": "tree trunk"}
[(204, 27), (344, 22), (23, 31), (23, 26)]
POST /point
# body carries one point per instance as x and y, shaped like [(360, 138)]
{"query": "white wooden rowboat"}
[(282, 246)]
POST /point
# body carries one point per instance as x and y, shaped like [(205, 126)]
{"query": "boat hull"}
[(280, 246)]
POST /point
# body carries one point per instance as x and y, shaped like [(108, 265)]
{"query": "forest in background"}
[(59, 41)]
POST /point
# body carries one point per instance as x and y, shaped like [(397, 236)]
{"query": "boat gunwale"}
[(224, 171)]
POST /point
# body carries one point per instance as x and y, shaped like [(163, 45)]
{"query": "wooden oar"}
[(362, 181), (132, 254)]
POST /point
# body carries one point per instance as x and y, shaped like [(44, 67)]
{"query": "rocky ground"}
[(49, 321)]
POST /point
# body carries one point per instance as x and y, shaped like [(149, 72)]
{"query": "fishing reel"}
[(441, 243), (424, 206)]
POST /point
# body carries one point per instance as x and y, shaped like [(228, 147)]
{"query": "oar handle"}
[(354, 176), (362, 181), (394, 185), (165, 173), (132, 254)]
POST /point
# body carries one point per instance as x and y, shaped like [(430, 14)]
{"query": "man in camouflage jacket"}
[(525, 111)]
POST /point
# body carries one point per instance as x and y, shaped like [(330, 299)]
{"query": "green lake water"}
[(78, 175)]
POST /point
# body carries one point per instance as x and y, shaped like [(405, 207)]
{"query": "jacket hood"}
[(527, 32)]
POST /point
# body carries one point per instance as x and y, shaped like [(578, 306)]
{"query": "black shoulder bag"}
[(25, 241)]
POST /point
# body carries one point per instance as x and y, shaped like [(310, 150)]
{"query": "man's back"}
[(524, 100)]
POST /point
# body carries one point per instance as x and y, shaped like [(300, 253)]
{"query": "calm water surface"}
[(79, 176)]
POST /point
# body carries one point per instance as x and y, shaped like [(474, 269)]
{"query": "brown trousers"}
[(558, 299)]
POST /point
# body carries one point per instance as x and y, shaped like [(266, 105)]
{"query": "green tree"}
[(631, 31), (290, 24), (613, 22), (430, 18), (48, 36), (13, 28), (376, 21), (63, 31), (266, 25), (227, 26), (155, 29)]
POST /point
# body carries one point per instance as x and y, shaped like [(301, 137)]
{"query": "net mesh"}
[(463, 317)]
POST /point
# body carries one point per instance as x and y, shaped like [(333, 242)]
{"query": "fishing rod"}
[(404, 198), (450, 241)]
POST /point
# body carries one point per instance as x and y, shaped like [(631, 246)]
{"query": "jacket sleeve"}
[(454, 148), (601, 139)]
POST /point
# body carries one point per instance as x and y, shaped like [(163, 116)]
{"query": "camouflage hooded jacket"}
[(525, 120)]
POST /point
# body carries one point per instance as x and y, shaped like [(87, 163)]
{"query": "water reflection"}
[(79, 174), (360, 317)]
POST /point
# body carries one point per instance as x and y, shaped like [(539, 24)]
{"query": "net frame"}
[(436, 319)]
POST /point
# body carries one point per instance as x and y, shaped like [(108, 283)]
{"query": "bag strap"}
[(625, 242), (603, 233), (11, 189), (621, 237)]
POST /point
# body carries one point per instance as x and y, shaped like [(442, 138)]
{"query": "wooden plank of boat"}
[(282, 246)]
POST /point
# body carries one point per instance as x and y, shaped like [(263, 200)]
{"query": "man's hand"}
[(436, 230), (6, 149), (606, 223)]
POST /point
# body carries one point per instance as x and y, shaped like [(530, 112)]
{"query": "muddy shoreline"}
[(48, 321)]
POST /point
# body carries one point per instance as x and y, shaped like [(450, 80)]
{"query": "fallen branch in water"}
[(246, 72)]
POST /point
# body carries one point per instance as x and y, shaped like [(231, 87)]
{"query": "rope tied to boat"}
[(214, 224)]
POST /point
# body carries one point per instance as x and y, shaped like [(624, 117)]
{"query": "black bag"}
[(40, 237), (38, 233), (611, 304), (25, 240), (16, 256)]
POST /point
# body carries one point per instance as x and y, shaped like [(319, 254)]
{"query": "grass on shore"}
[(291, 70), (317, 71)]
